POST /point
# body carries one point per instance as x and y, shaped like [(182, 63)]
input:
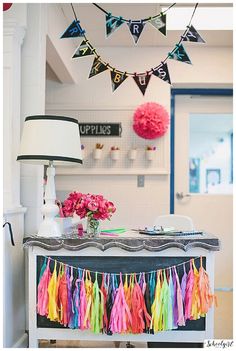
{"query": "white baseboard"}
[(22, 342)]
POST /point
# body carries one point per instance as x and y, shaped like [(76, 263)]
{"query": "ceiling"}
[(93, 21)]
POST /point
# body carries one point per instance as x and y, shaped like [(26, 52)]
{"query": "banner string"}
[(128, 274), (142, 20), (74, 12), (148, 71)]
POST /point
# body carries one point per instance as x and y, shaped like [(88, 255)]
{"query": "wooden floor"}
[(223, 328), (88, 344)]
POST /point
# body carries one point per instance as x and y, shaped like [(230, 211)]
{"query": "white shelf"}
[(114, 171)]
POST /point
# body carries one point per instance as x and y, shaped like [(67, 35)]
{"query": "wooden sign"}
[(100, 129)]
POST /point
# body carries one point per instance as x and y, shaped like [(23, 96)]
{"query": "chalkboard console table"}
[(130, 252)]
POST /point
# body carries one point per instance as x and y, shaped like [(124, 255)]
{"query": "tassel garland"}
[(145, 303)]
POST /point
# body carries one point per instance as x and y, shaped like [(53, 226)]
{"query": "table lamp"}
[(50, 140)]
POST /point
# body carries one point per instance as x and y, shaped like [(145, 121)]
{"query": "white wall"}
[(135, 206), (13, 256)]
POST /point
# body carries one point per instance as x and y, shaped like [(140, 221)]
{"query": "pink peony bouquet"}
[(87, 205)]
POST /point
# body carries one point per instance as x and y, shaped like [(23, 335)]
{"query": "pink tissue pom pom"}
[(151, 120)]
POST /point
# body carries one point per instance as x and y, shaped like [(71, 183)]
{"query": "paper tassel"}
[(53, 314), (195, 307), (135, 306), (97, 67), (70, 310), (159, 23), (83, 50), (120, 314), (142, 81), (117, 78), (179, 54), (104, 290), (166, 310), (89, 291), (76, 302), (45, 276), (183, 283), (162, 72), (109, 305), (83, 304), (156, 306), (179, 301), (205, 295), (95, 309), (136, 28), (73, 31), (193, 35), (112, 24), (170, 322), (188, 294), (63, 299)]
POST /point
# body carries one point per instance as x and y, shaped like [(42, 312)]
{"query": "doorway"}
[(202, 169)]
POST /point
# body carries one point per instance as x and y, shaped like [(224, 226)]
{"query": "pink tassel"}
[(188, 294), (120, 311), (181, 320), (83, 304), (42, 305)]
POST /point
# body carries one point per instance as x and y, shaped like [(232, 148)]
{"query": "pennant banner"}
[(112, 24), (162, 72), (134, 303), (179, 54), (83, 50), (117, 78), (97, 67), (159, 23), (142, 81), (193, 35), (136, 28), (73, 31)]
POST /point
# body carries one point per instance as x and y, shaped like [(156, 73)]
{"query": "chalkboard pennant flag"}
[(112, 23), (73, 31), (159, 23), (97, 67), (179, 54), (117, 78), (162, 72), (193, 35), (83, 50), (136, 28), (142, 81)]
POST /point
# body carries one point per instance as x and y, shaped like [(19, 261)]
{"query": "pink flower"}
[(88, 205)]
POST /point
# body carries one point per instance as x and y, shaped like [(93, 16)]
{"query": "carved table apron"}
[(124, 254)]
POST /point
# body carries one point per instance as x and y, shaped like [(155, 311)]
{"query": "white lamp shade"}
[(50, 138)]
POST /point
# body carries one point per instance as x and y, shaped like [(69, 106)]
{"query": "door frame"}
[(185, 91)]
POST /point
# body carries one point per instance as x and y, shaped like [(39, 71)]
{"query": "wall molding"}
[(14, 210), (22, 342)]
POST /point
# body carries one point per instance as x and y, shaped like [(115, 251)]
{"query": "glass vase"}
[(93, 227)]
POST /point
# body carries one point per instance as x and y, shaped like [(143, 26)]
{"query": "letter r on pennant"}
[(135, 29)]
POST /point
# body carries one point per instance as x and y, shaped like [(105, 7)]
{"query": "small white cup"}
[(132, 154), (97, 154), (150, 154), (115, 154)]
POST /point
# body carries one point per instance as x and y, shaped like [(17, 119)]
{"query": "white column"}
[(13, 257), (33, 103)]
